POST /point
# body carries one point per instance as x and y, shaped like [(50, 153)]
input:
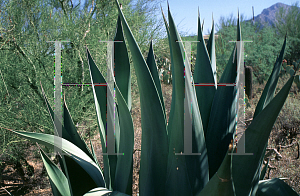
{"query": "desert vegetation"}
[(26, 105)]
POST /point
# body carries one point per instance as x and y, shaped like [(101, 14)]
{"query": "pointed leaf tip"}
[(64, 97), (168, 5)]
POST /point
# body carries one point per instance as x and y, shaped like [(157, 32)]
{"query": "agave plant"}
[(211, 168)]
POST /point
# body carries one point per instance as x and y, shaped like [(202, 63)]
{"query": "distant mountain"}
[(268, 15)]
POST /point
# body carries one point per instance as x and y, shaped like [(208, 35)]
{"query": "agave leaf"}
[(259, 176), (98, 191), (54, 190), (120, 167), (103, 191), (246, 167), (122, 65), (122, 77), (268, 95), (255, 183), (70, 167), (94, 154), (222, 120), (264, 171), (62, 165), (171, 114), (154, 137), (117, 130), (221, 183), (99, 92), (124, 167), (72, 150), (204, 74), (239, 32), (72, 132), (275, 187), (69, 131), (65, 134), (75, 174), (100, 103), (113, 159), (60, 185), (187, 175), (177, 174), (211, 51), (270, 87), (153, 69)]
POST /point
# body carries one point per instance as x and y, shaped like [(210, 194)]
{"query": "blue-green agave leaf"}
[(222, 120), (204, 74), (264, 171), (100, 96), (124, 167), (153, 70), (275, 187), (221, 183), (171, 114), (211, 51), (270, 87), (122, 65), (154, 130), (99, 93), (64, 133), (72, 150), (72, 132), (123, 81), (256, 136), (70, 167), (69, 131), (255, 183), (187, 175), (266, 97), (75, 173), (93, 153), (57, 177), (54, 190), (124, 134), (103, 191), (239, 32), (177, 174)]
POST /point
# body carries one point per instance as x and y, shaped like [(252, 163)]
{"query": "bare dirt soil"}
[(16, 181)]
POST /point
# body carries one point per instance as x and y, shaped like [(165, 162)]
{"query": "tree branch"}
[(62, 7)]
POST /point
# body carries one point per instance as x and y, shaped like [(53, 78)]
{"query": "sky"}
[(185, 12)]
